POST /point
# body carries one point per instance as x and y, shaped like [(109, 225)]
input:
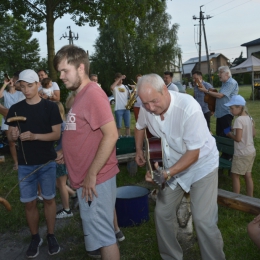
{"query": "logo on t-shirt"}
[(71, 121), (121, 89)]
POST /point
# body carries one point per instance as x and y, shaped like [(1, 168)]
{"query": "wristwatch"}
[(168, 174), (208, 91)]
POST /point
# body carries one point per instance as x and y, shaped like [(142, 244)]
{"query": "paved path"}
[(13, 245)]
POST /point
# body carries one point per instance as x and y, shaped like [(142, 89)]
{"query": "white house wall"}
[(252, 49)]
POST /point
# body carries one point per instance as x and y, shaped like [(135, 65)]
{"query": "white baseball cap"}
[(28, 76), (236, 100)]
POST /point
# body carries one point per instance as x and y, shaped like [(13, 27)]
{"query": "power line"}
[(209, 2), (232, 8), (220, 6)]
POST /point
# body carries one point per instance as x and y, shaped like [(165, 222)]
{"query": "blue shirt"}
[(199, 96), (229, 89)]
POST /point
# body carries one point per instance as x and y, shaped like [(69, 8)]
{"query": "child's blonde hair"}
[(245, 109), (61, 109)]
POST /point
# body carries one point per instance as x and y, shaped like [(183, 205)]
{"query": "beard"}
[(76, 84)]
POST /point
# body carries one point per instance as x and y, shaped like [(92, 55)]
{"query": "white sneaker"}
[(40, 198), (64, 214), (120, 236)]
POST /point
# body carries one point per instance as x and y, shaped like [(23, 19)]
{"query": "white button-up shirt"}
[(183, 128)]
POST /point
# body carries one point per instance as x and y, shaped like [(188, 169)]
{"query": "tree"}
[(42, 65), (18, 50), (93, 12), (151, 47)]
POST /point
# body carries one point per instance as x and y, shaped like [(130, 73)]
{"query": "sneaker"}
[(33, 249), (64, 214), (75, 203), (53, 245), (94, 254), (39, 198), (120, 236)]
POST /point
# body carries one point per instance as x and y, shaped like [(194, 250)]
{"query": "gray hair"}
[(225, 69), (153, 80)]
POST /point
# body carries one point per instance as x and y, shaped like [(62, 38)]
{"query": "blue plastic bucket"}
[(132, 206)]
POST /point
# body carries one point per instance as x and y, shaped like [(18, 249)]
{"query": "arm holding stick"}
[(53, 136)]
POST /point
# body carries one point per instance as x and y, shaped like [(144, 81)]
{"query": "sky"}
[(232, 23)]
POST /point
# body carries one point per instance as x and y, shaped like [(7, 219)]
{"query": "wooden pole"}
[(239, 202)]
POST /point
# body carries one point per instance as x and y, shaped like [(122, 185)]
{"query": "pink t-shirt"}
[(82, 135)]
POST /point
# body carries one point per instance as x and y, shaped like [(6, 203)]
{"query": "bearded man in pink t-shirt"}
[(88, 148)]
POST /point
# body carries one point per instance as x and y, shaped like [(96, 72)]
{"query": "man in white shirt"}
[(167, 78), (190, 159), (54, 88), (121, 93)]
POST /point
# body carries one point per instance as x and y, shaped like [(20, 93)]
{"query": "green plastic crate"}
[(125, 145)]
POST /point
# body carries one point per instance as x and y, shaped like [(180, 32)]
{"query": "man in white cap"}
[(36, 133)]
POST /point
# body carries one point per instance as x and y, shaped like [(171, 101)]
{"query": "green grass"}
[(141, 243)]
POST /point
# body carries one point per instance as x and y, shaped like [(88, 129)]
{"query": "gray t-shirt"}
[(9, 100)]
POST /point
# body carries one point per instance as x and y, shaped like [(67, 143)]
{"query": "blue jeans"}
[(122, 113), (45, 177)]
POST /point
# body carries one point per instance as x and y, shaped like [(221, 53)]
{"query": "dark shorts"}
[(61, 170)]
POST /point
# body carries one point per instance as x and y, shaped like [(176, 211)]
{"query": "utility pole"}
[(207, 52), (71, 36), (200, 38), (201, 18)]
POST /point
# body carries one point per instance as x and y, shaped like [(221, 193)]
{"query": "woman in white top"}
[(11, 97), (54, 87), (46, 88)]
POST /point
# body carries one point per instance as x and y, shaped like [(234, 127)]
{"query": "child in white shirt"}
[(244, 150)]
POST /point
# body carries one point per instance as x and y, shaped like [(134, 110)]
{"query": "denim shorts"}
[(45, 177), (122, 113)]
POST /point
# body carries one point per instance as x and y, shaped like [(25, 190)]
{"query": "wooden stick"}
[(17, 117)]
